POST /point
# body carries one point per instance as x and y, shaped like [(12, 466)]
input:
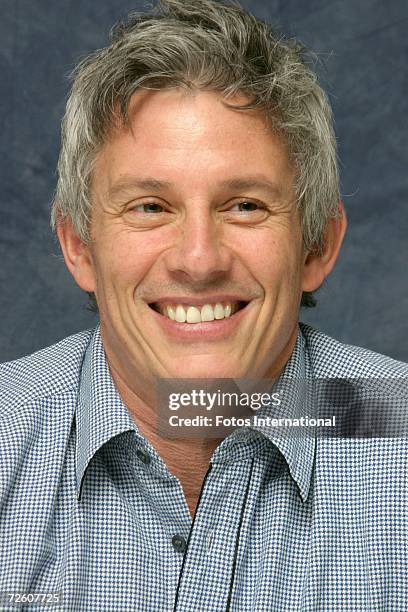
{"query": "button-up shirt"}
[(89, 510)]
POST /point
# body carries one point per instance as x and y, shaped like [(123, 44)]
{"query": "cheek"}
[(273, 260), (124, 259)]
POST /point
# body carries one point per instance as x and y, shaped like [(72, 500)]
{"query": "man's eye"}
[(246, 206), (149, 207)]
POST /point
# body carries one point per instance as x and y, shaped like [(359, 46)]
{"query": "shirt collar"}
[(100, 413), (297, 446)]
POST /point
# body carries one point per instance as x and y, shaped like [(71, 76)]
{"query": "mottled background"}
[(364, 48)]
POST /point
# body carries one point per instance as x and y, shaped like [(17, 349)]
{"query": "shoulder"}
[(368, 393), (38, 398), (331, 358), (51, 371)]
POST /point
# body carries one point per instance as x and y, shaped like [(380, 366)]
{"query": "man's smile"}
[(194, 312), (205, 321)]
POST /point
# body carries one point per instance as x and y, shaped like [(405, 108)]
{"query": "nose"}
[(199, 254)]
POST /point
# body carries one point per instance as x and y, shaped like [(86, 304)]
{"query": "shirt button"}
[(143, 456), (179, 543)]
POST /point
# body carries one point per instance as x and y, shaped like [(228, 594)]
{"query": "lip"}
[(207, 331)]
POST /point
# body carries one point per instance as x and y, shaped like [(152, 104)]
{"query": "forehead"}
[(177, 132)]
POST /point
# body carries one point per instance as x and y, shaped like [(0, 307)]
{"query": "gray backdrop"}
[(365, 49)]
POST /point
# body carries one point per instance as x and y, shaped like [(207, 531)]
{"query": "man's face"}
[(194, 216)]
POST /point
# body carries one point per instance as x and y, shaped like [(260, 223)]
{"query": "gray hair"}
[(201, 44)]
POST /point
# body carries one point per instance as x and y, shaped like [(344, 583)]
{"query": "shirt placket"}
[(206, 578)]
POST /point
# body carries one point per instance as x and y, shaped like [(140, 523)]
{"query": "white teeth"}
[(207, 313), (195, 314), (218, 311), (180, 314)]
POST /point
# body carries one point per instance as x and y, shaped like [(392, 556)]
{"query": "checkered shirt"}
[(89, 509)]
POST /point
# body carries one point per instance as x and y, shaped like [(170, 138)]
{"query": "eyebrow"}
[(235, 184), (253, 183), (146, 184)]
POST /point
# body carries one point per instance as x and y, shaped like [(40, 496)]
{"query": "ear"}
[(77, 255), (318, 266)]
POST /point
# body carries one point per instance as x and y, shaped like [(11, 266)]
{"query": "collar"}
[(298, 447), (100, 413)]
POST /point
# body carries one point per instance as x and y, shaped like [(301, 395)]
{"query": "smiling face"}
[(197, 260)]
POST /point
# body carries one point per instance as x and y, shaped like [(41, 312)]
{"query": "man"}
[(198, 205)]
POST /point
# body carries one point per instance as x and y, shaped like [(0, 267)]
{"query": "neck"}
[(187, 459)]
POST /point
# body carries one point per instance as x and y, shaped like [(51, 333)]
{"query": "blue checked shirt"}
[(88, 508)]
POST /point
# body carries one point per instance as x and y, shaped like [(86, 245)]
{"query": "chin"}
[(205, 368)]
